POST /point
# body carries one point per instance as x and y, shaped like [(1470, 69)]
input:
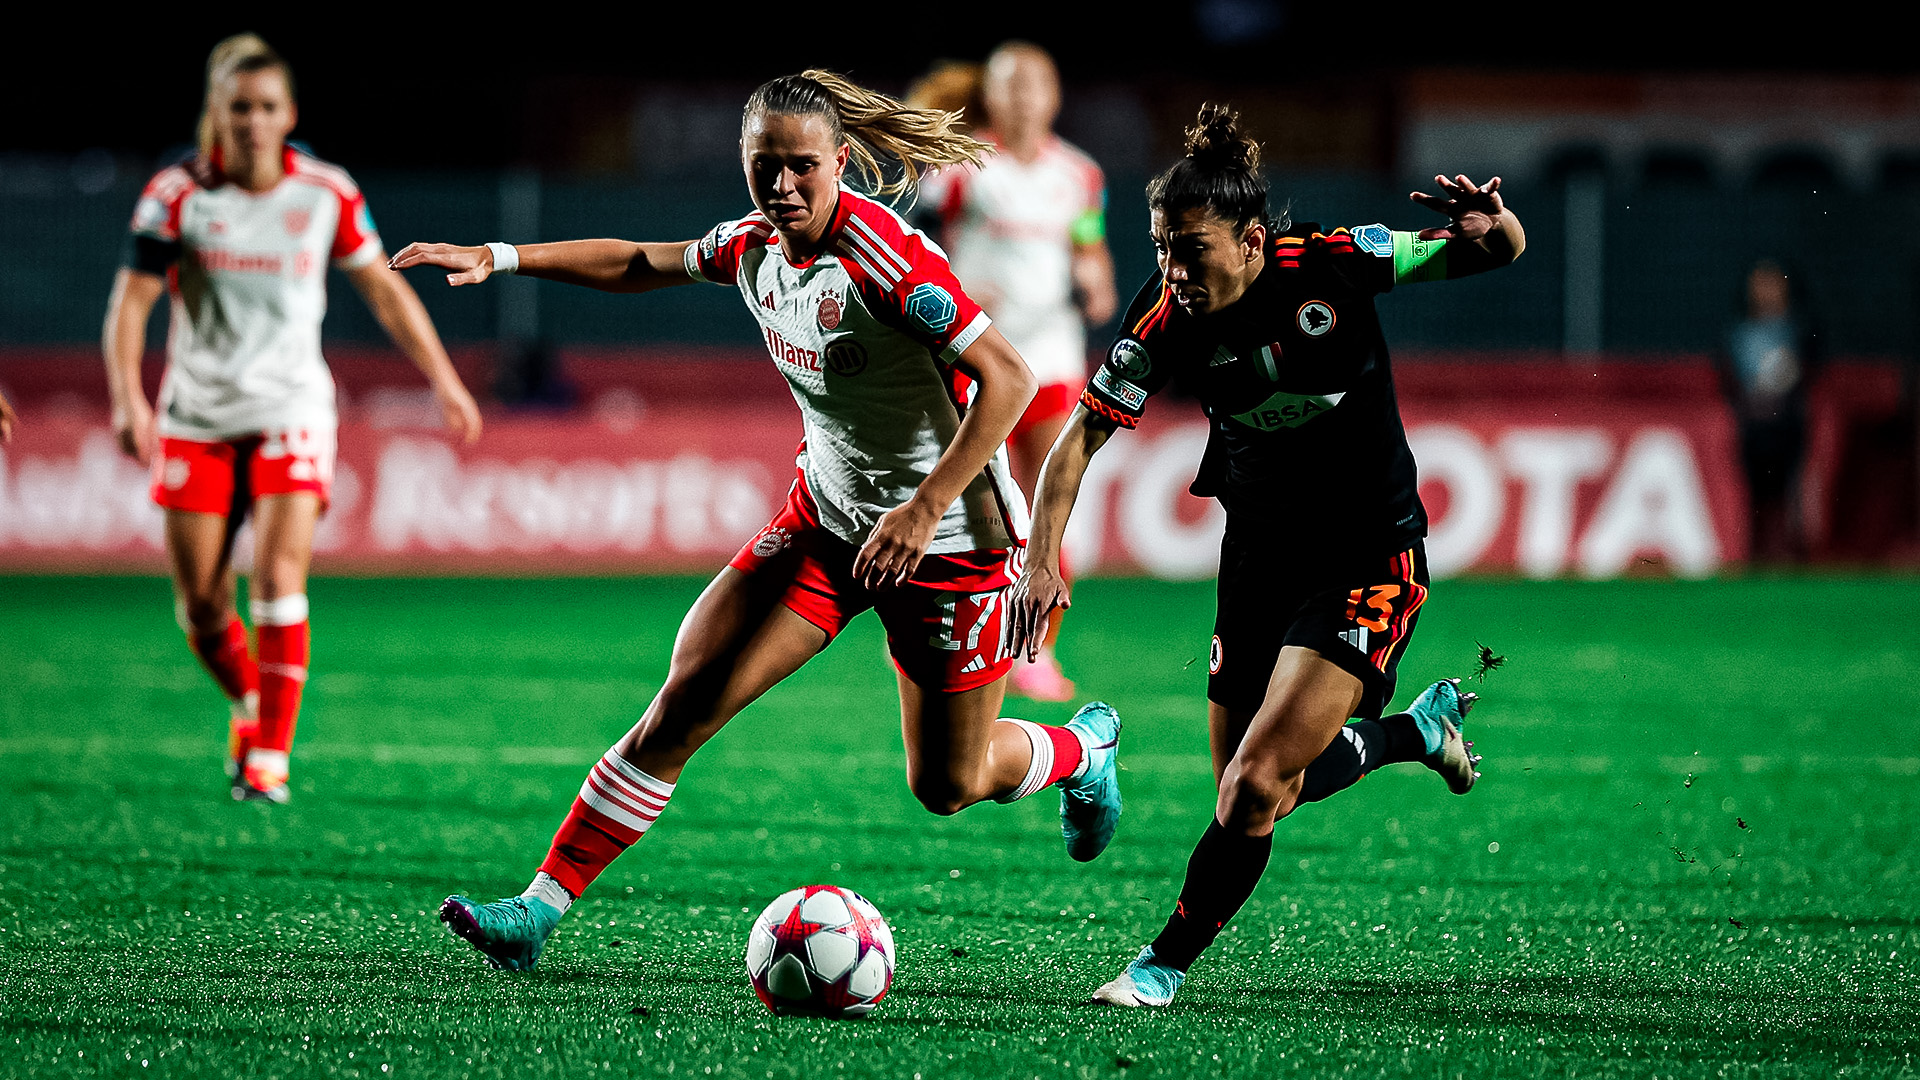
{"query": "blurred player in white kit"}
[(1026, 232), (240, 238)]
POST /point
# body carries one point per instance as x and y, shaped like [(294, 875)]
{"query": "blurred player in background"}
[(902, 503), (1027, 233), (1323, 567), (241, 236)]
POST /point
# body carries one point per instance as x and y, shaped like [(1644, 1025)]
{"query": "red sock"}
[(1066, 753), (224, 652), (1056, 756), (283, 674), (616, 806)]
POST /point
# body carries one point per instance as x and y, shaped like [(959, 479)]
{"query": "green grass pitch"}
[(1694, 851)]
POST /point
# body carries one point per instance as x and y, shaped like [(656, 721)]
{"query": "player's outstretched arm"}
[(405, 319), (122, 340), (620, 266), (1005, 387), (1484, 233), (7, 421), (1041, 587)]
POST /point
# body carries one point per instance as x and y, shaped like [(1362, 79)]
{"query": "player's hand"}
[(133, 426), (899, 541), (470, 265), (459, 412), (7, 421), (1474, 208), (1039, 591)]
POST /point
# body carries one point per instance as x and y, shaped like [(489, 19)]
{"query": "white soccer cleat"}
[(1146, 982)]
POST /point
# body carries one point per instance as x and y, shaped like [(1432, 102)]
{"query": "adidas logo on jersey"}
[(767, 302), (1221, 357)]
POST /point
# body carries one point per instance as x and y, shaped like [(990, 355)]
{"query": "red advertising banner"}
[(1542, 470)]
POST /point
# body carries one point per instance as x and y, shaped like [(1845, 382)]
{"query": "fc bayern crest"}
[(1315, 318), (772, 541), (297, 221), (829, 310)]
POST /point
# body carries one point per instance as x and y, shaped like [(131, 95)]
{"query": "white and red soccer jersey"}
[(1012, 226), (865, 332), (249, 292)]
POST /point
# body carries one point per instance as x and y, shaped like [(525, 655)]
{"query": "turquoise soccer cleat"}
[(1145, 982), (509, 932), (1439, 712), (1090, 803)]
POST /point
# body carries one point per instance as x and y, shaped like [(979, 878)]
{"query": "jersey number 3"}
[(1372, 606)]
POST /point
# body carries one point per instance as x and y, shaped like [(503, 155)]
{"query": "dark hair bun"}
[(1215, 141)]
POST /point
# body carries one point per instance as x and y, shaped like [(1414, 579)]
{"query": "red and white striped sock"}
[(1057, 755), (616, 806), (285, 644)]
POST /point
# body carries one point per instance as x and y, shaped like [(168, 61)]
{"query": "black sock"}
[(1400, 740), (1220, 876), (1360, 748)]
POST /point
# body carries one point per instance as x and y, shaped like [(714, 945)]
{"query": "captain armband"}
[(1416, 260), (1089, 228), (1107, 412)]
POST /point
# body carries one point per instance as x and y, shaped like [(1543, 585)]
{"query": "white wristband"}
[(506, 258)]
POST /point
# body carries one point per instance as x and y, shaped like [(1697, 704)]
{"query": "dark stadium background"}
[(1694, 849)]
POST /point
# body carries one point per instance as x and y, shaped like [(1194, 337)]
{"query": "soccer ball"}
[(820, 949)]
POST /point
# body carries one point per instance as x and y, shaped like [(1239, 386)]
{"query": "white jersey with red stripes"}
[(1012, 226), (249, 292), (865, 333)]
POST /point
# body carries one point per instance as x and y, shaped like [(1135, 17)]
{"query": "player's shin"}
[(1225, 867), (616, 806), (285, 645), (224, 653)]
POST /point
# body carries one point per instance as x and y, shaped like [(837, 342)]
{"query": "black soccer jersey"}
[(1294, 378)]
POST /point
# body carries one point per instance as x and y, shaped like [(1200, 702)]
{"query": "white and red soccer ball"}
[(820, 949)]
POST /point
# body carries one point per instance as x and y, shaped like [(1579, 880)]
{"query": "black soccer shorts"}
[(1359, 616)]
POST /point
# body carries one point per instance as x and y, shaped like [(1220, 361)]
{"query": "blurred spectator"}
[(1769, 359)]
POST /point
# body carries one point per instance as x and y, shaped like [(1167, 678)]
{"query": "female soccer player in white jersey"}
[(241, 237), (1027, 228), (902, 503)]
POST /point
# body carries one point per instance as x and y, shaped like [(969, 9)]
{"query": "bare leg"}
[(198, 551), (733, 646), (958, 753), (1308, 700), (283, 528)]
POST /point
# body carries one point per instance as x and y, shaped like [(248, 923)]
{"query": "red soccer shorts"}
[(946, 627), (225, 477), (1053, 401)]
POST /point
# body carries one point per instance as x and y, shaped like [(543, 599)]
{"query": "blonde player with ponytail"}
[(902, 502), (240, 237)]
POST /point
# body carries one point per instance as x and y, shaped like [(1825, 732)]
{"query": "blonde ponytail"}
[(239, 53), (874, 126)]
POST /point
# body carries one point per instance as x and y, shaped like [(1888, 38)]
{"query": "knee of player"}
[(940, 795), (1252, 797), (202, 612), (279, 575)]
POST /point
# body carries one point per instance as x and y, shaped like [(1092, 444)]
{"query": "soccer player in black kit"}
[(1271, 324)]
